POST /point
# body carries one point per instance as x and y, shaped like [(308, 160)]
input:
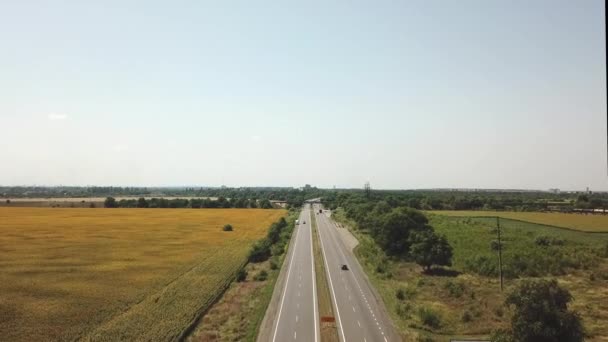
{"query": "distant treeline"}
[(195, 203), (293, 196), (418, 199), (479, 200)]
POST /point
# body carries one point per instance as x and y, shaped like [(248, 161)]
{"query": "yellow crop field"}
[(117, 274), (588, 223)]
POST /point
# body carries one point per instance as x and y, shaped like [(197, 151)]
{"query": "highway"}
[(297, 317), (358, 313)]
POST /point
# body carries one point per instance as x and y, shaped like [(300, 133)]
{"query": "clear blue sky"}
[(404, 94)]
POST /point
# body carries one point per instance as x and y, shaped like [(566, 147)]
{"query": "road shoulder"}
[(267, 326)]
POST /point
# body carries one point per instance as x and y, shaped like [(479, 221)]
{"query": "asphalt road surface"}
[(358, 313), (297, 317)]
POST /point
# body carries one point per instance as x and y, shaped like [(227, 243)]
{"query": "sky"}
[(403, 94)]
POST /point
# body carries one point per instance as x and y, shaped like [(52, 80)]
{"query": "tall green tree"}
[(541, 313), (430, 249), (110, 202)]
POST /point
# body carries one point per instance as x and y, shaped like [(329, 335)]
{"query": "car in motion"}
[(344, 267)]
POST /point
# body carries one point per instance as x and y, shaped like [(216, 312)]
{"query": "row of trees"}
[(293, 196), (273, 244), (195, 203), (478, 200), (418, 199)]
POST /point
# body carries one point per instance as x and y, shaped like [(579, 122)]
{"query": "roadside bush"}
[(227, 228), (241, 275), (403, 310), (273, 264), (400, 294), (260, 251), (454, 288), (429, 317), (263, 275), (277, 249), (501, 335)]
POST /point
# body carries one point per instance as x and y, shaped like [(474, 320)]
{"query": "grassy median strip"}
[(329, 331)]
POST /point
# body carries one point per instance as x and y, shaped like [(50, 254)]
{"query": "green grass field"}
[(588, 223), (117, 274)]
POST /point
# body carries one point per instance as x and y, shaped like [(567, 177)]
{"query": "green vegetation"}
[(541, 313), (227, 228), (239, 312), (528, 249), (430, 249), (465, 300), (240, 197), (587, 223), (194, 203)]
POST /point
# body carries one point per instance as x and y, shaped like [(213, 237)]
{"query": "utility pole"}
[(499, 251), (367, 189)]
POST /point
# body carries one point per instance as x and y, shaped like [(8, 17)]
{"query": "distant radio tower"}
[(368, 189)]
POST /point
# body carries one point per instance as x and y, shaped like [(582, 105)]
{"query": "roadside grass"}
[(117, 274), (465, 304), (329, 330), (237, 316), (582, 222)]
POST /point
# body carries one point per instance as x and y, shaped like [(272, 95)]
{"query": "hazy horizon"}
[(416, 95)]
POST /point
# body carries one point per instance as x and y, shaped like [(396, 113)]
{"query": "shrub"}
[(277, 249), (548, 241), (466, 316), (273, 264), (227, 228), (403, 310), (241, 275), (541, 313), (260, 251), (263, 275), (499, 311), (455, 289), (501, 335), (429, 318), (400, 294)]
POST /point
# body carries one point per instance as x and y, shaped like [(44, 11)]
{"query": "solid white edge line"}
[(314, 277), (293, 253), (331, 283), (354, 276)]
